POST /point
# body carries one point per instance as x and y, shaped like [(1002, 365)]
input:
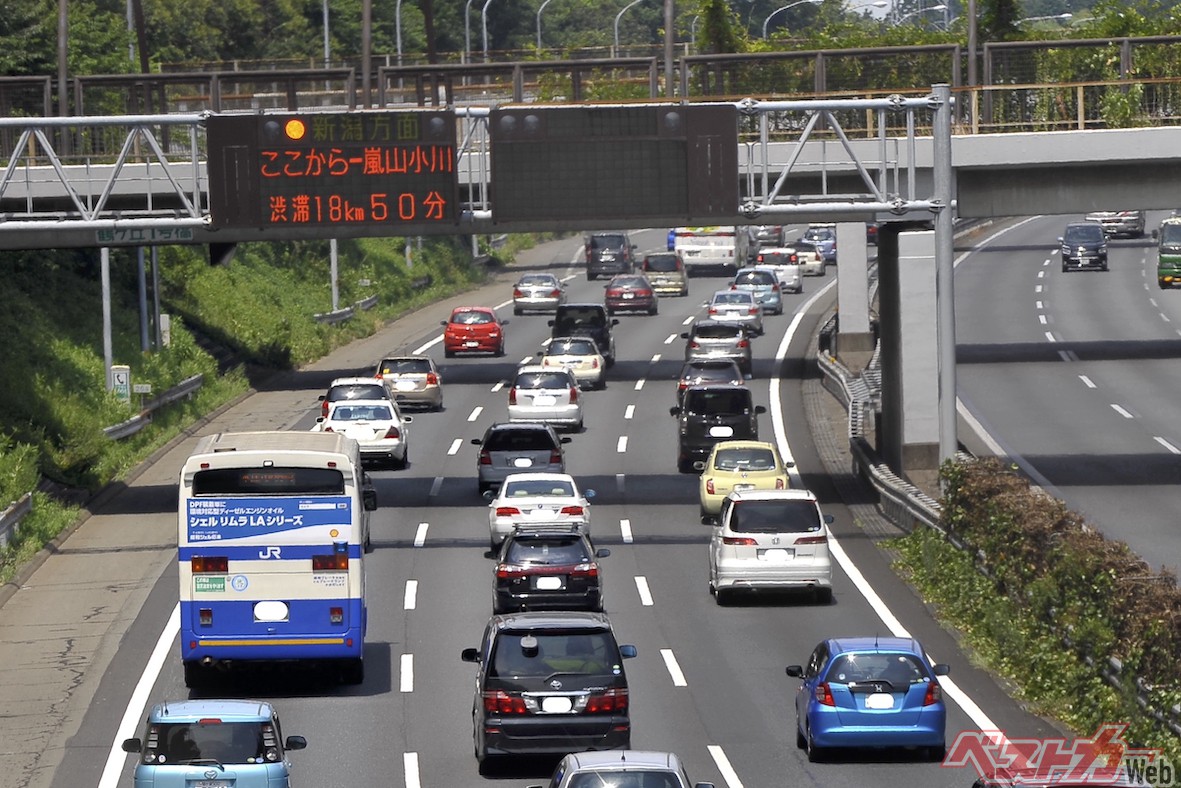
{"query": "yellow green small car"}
[(740, 465)]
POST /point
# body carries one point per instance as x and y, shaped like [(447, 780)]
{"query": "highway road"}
[(1076, 376), (708, 682)]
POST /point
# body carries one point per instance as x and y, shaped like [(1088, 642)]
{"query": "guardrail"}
[(346, 313), (185, 388), (10, 518)]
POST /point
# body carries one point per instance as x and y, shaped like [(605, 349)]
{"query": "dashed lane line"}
[(420, 534), (410, 598), (674, 669), (644, 591)]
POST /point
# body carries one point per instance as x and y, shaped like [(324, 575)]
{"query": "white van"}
[(725, 248)]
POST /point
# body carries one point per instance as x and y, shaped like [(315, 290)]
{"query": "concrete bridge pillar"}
[(853, 330), (908, 320)]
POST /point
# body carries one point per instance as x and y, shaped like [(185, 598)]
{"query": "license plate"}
[(691, 252), (557, 705), (211, 784), (721, 432), (776, 554), (626, 296), (405, 385), (879, 700), (471, 344), (549, 583), (545, 399), (744, 487), (522, 462)]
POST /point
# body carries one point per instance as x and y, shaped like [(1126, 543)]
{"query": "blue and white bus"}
[(273, 530)]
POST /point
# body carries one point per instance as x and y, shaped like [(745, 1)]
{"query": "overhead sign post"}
[(377, 169)]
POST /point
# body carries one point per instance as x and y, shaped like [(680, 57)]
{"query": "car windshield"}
[(361, 413), (572, 347), (754, 278), (472, 317), (774, 517), (750, 459), (661, 263), (404, 366), (556, 652), (606, 242), (818, 234), (1083, 233), (775, 258), (519, 440), (627, 779), (542, 280), (542, 380), (900, 670), (718, 331), (1170, 235), (628, 282), (357, 391), (211, 740), (712, 371), (573, 320), (532, 488), (548, 551)]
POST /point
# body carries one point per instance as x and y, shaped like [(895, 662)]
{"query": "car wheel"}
[(723, 596), (591, 277), (815, 754), (654, 310), (685, 466), (1162, 284), (518, 312), (1065, 268), (488, 765), (500, 350), (937, 753), (195, 675), (1104, 267), (352, 671), (448, 354), (823, 596)]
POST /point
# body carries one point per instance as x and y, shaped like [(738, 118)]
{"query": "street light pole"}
[(398, 28), (972, 81), (615, 49), (939, 7), (784, 8), (467, 31), (539, 10), (484, 19)]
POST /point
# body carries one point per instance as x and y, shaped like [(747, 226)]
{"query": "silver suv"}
[(517, 448), (714, 339), (545, 394)]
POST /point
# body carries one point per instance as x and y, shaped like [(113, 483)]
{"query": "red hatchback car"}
[(630, 293), (473, 329)]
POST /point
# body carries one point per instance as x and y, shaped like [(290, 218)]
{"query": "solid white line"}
[(436, 484), (1087, 382), (629, 411), (476, 413), (410, 598), (406, 680), (1050, 337), (645, 592), (625, 528), (1173, 449), (133, 714), (455, 444), (670, 339), (1042, 319), (655, 358), (410, 766), (684, 322), (674, 670), (621, 446), (1121, 411), (640, 384), (499, 385), (420, 534), (427, 346), (723, 764)]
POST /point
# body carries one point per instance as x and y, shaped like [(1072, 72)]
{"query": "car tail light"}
[(432, 379), (485, 457), (644, 293), (759, 259), (573, 394), (584, 570), (509, 571), (709, 486), (555, 457), (574, 510), (821, 539), (594, 363), (614, 293), (324, 409), (744, 343), (336, 615), (393, 432), (555, 293), (682, 385), (329, 429), (500, 702), (775, 288), (379, 376), (613, 701), (330, 562), (694, 344), (733, 287), (512, 396), (205, 615), (210, 563), (794, 259), (713, 310), (934, 694), (507, 511), (754, 310), (517, 293), (740, 541), (779, 485), (824, 695)]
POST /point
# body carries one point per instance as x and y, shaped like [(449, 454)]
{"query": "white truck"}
[(701, 248)]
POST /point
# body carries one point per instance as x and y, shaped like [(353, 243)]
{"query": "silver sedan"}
[(538, 293), (737, 306)]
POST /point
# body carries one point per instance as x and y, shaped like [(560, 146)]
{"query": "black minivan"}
[(713, 413), (610, 254), (549, 682)]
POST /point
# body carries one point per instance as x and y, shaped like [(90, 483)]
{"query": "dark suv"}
[(587, 320), (1084, 245), (713, 413), (548, 567), (609, 253), (549, 683)]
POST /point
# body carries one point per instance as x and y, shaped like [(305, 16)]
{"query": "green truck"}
[(1168, 264)]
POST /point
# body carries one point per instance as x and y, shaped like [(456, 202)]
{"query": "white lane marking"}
[(951, 689), (644, 591), (688, 320), (1042, 319), (629, 411), (410, 598), (723, 764), (1050, 337), (1165, 317), (406, 678), (455, 444), (1046, 261), (625, 528), (621, 446), (503, 304), (1153, 302), (1087, 382), (435, 485), (1173, 449), (525, 360), (420, 534), (674, 670), (134, 713), (1121, 411), (499, 385), (476, 413), (1064, 355), (410, 766), (1040, 305), (655, 358), (671, 337), (619, 483), (1038, 289), (427, 346), (640, 384), (1041, 274)]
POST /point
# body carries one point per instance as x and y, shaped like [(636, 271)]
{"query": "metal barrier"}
[(10, 518), (185, 388)]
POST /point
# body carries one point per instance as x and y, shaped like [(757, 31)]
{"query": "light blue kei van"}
[(213, 744)]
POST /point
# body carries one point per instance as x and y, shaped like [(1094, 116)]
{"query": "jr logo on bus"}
[(270, 552)]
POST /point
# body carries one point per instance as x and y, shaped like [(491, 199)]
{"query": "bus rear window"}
[(268, 481)]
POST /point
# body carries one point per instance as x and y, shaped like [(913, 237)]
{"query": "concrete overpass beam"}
[(853, 331)]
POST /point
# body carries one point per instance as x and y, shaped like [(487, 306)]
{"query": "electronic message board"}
[(620, 162), (323, 169)]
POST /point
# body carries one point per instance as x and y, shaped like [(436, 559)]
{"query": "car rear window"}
[(627, 779), (660, 263), (1080, 233), (521, 488), (573, 347), (732, 297), (519, 440), (718, 331), (754, 278), (900, 670), (360, 413), (774, 517), (542, 380), (607, 242), (629, 282), (708, 402), (471, 318), (357, 391), (402, 366), (547, 551), (750, 459), (570, 320), (209, 740), (537, 279), (556, 652)]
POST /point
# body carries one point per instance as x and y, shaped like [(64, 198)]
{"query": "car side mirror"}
[(1060, 239), (442, 322), (703, 785), (1155, 233), (760, 409), (407, 419), (588, 494), (320, 419), (602, 552), (470, 655), (565, 439), (829, 519), (628, 652), (942, 668), (684, 335), (795, 670), (488, 495), (295, 743), (789, 464), (709, 519), (476, 441), (505, 322), (549, 322), (132, 745), (674, 411), (369, 500), (615, 321), (699, 465)]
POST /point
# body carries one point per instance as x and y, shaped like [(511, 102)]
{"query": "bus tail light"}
[(336, 615), (203, 564), (330, 562), (205, 616)]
